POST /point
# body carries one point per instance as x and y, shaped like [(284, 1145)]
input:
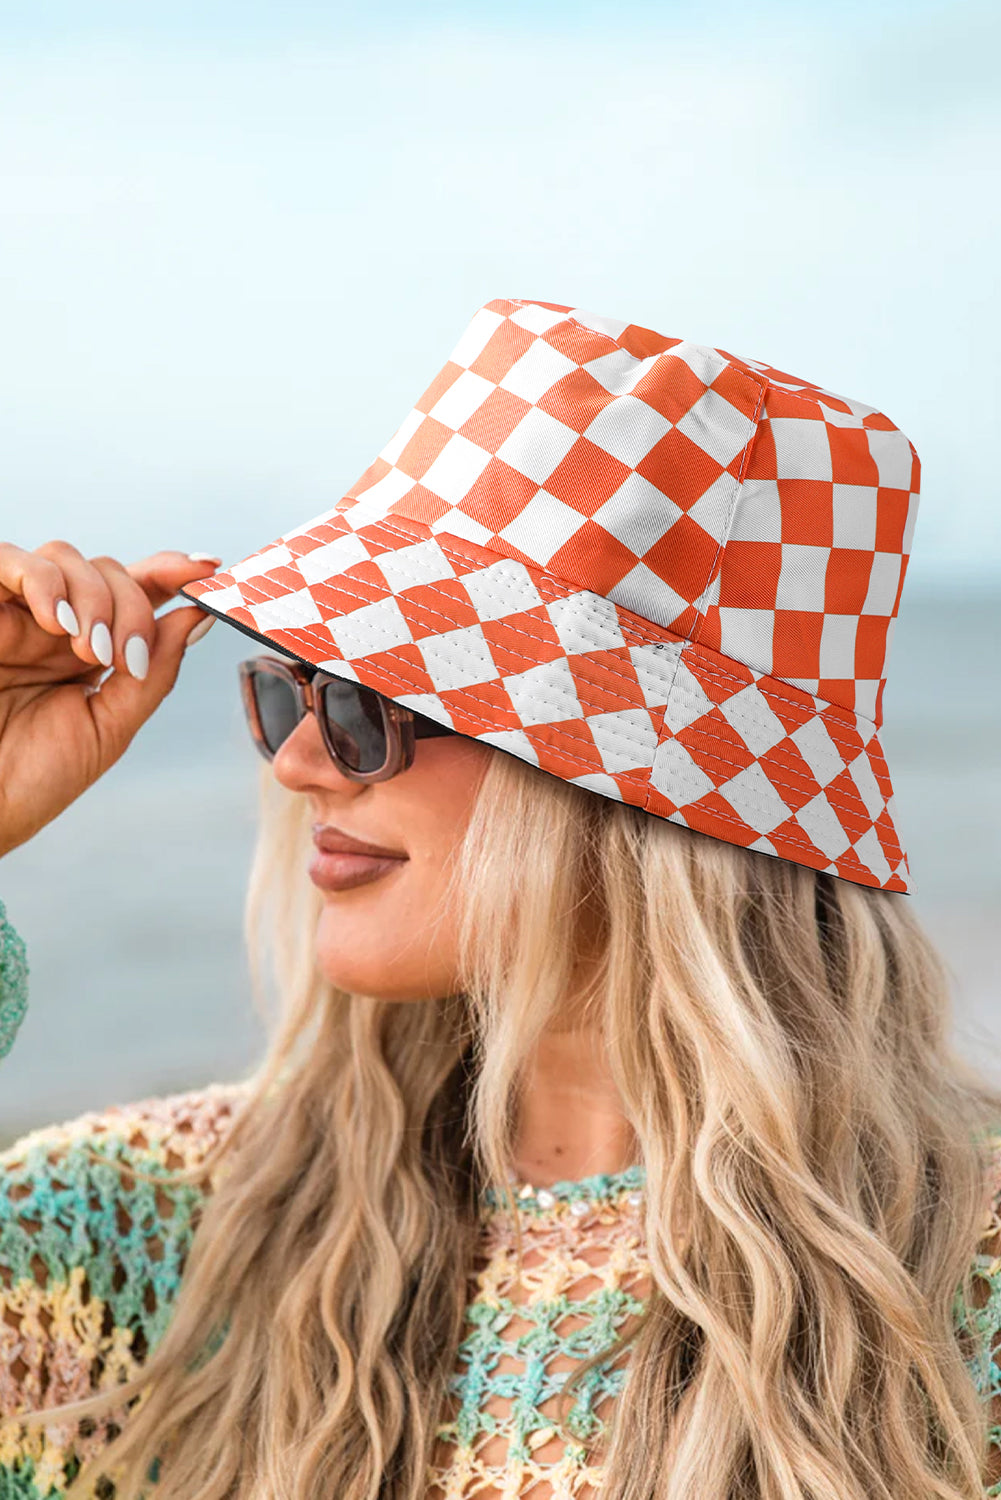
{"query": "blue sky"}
[(237, 241)]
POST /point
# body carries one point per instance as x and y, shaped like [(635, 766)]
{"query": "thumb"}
[(123, 703)]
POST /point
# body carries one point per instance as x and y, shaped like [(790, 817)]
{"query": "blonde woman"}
[(610, 1138)]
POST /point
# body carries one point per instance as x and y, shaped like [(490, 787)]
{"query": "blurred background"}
[(236, 241)]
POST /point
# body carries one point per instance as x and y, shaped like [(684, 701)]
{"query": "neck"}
[(571, 1123)]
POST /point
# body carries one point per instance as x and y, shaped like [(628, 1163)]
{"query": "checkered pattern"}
[(652, 568)]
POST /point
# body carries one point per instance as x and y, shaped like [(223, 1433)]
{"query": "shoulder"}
[(91, 1253)]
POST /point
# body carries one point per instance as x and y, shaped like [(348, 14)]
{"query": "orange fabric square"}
[(593, 558), (807, 511), (683, 557), (577, 342), (423, 448), (870, 645), (670, 387), (851, 458), (749, 577), (847, 580), (500, 494), (508, 638), (679, 468), (504, 348), (575, 400), (891, 518), (493, 422), (439, 385), (796, 643), (587, 477)]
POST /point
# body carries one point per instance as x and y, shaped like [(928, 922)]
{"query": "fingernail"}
[(202, 628), (100, 644), (137, 656), (204, 557), (67, 618)]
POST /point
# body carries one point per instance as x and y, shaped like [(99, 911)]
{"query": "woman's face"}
[(387, 934)]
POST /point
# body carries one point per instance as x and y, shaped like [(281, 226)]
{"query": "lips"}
[(343, 861), (331, 840)]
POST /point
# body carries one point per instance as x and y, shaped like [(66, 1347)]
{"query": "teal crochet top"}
[(90, 1264)]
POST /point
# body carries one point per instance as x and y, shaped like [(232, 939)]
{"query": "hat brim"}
[(567, 680)]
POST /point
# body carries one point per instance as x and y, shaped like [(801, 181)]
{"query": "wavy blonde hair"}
[(815, 1179)]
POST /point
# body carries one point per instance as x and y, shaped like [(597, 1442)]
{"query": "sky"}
[(237, 241)]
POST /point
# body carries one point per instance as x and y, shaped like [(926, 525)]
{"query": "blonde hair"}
[(815, 1179)]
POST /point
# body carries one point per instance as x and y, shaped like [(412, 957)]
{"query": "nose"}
[(303, 762)]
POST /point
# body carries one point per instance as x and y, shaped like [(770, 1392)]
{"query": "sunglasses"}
[(368, 737)]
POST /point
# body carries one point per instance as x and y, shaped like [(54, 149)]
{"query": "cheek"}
[(397, 938)]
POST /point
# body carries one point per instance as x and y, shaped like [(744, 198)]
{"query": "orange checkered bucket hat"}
[(654, 569)]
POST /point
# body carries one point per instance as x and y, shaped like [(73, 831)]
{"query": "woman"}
[(611, 1138)]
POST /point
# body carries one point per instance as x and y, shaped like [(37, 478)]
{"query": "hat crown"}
[(720, 498)]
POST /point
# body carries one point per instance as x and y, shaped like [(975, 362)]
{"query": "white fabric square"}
[(537, 446), (855, 516), (712, 508), (625, 739), (819, 820), (457, 523), (655, 666), (818, 750), (704, 362), (716, 427), (505, 588), (613, 327), (545, 694), (464, 396), (912, 515), (372, 627), (884, 580), (537, 319), (645, 593), (379, 499), (543, 527), (600, 782), (476, 338), (892, 455), (757, 515), (753, 798), (748, 635), (458, 658), (801, 577), (514, 741), (688, 700), (869, 852), (332, 558), (866, 696), (627, 429), (637, 514), (263, 562), (676, 775), (290, 612), (837, 645), (802, 449), (456, 469), (864, 778), (225, 599), (618, 371), (424, 562), (585, 622), (531, 376), (402, 436), (752, 718)]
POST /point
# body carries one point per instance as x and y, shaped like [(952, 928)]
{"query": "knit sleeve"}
[(13, 982), (90, 1262)]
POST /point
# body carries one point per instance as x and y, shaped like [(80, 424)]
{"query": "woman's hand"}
[(64, 621)]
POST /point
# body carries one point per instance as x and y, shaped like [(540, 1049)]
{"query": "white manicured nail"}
[(67, 618), (204, 557), (137, 656), (100, 644), (202, 628)]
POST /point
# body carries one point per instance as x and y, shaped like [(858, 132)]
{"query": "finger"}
[(161, 575), (124, 703), (38, 583), (132, 629), (89, 598)]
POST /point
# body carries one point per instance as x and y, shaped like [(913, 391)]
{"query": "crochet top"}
[(91, 1259)]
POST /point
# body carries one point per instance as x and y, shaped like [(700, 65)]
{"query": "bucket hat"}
[(655, 569)]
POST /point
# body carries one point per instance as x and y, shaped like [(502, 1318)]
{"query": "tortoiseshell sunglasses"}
[(368, 736)]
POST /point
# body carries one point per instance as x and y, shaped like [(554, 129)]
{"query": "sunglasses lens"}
[(354, 722), (276, 709)]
